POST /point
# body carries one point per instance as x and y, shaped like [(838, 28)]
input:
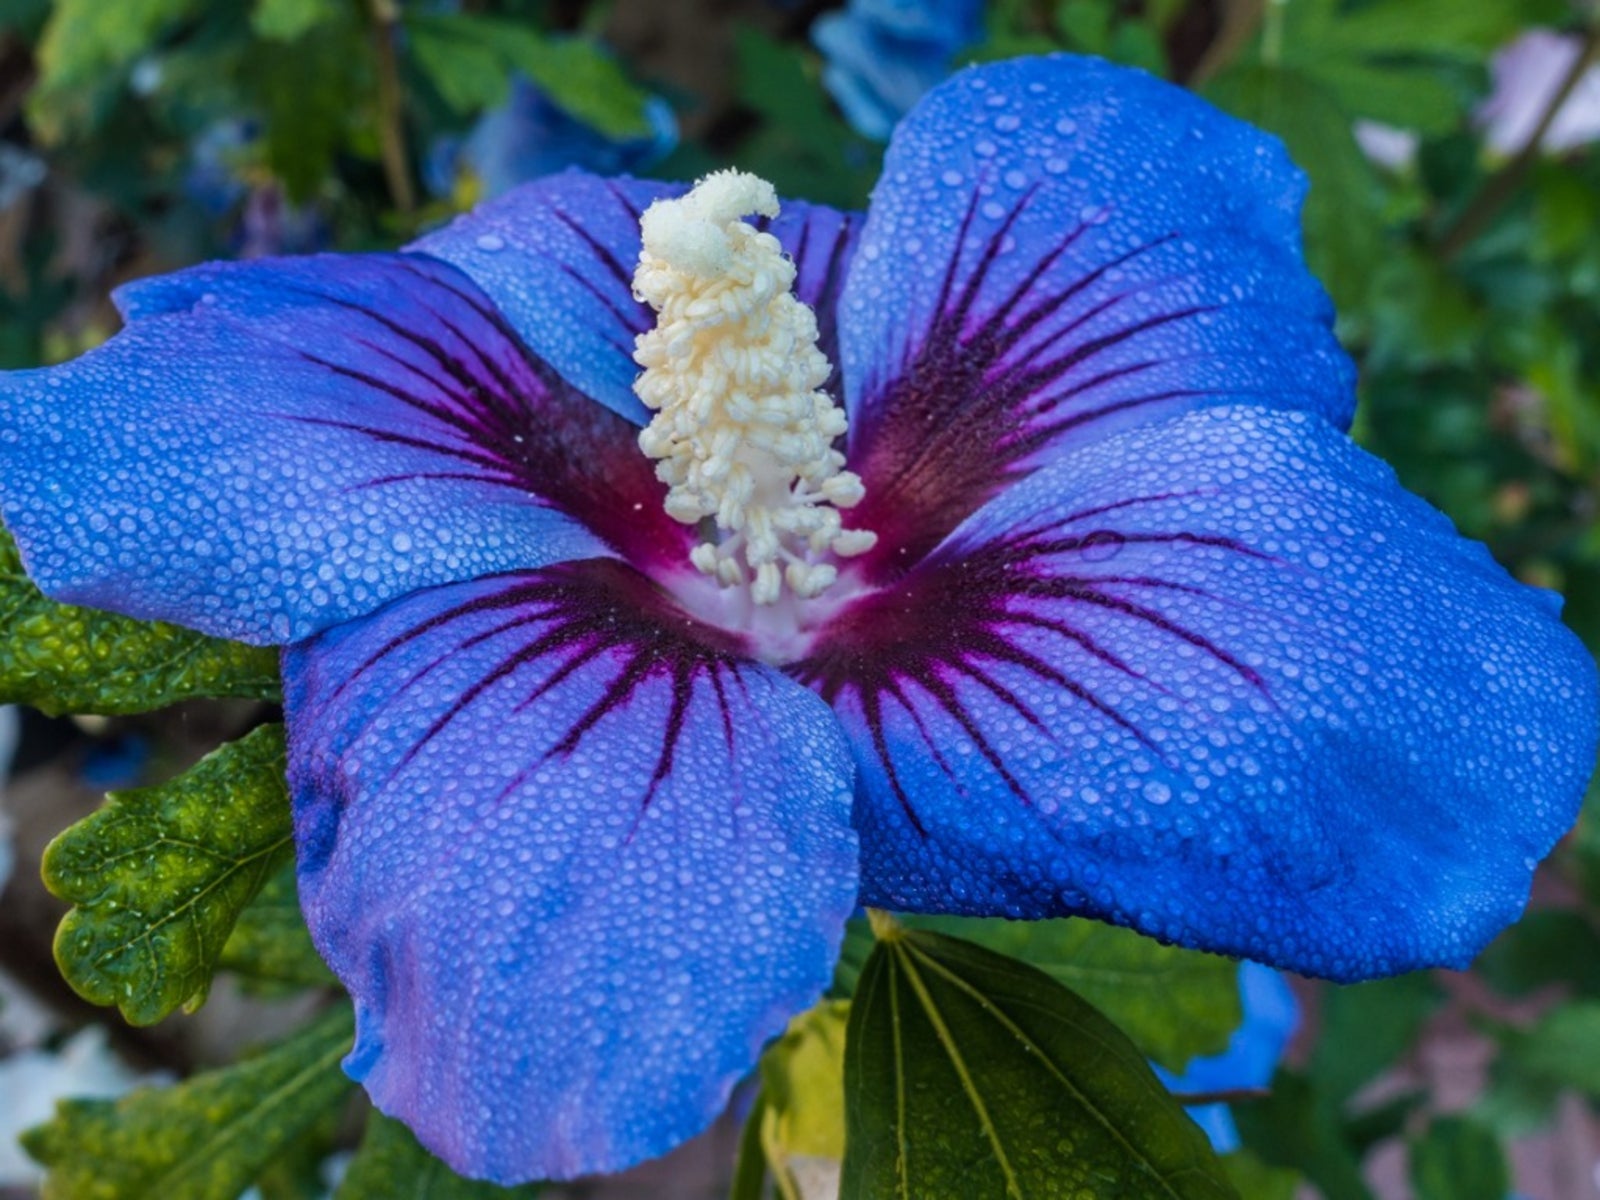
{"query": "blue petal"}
[(272, 448), (882, 56), (1220, 679), (574, 856), (557, 257), (1216, 1122), (1271, 1015), (1060, 248)]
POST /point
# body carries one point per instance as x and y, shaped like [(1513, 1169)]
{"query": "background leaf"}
[(159, 875), (1366, 1027), (206, 1138), (60, 658), (286, 20), (1175, 1004), (469, 57), (1295, 1127), (1343, 244), (802, 1090), (86, 40), (1458, 1159), (270, 942), (970, 1074)]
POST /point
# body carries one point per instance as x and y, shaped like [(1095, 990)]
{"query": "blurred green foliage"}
[(1468, 290)]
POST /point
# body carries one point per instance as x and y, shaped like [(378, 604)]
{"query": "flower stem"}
[(391, 105), (1476, 217)]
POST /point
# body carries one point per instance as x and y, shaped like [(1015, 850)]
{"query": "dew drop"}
[(1102, 545)]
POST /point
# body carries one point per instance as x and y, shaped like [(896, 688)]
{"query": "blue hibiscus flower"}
[(530, 135), (881, 56), (1142, 635)]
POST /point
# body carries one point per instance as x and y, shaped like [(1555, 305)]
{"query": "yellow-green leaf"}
[(60, 658), (802, 1087), (206, 1138)]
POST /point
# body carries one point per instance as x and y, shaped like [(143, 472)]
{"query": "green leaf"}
[(1458, 1159), (1365, 1027), (1341, 217), (853, 955), (316, 97), (1546, 947), (270, 941), (160, 874), (64, 659), (1563, 1049), (802, 145), (392, 1165), (1254, 1180), (86, 40), (470, 58), (970, 1074), (206, 1138), (24, 17), (1392, 28), (802, 1088), (1294, 1127), (1175, 1004), (750, 1164), (287, 20)]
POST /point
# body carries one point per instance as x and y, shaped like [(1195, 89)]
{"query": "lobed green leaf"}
[(970, 1074), (1562, 1050), (63, 659), (160, 874), (208, 1137), (1294, 1126), (1366, 1027), (270, 941)]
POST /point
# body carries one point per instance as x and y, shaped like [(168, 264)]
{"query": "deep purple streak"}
[(598, 613), (958, 616), (969, 411), (475, 395)]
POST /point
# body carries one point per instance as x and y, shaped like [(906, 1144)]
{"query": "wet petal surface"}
[(271, 448), (1060, 248), (1220, 679), (575, 857)]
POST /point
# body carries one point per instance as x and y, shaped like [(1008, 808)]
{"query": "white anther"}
[(732, 371)]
